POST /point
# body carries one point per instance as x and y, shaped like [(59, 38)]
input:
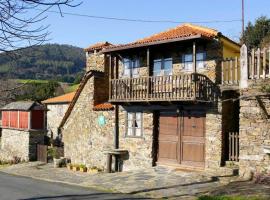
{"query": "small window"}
[(188, 61), (131, 67), (162, 67), (200, 58), (134, 124)]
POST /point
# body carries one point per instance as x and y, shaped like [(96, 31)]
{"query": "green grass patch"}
[(230, 198), (5, 69), (72, 88), (23, 81)]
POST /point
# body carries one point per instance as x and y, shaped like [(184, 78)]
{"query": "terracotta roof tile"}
[(182, 31), (66, 98), (98, 46), (103, 106)]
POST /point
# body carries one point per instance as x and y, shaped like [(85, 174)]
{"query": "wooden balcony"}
[(186, 87)]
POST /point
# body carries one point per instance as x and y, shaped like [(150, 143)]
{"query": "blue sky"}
[(82, 31)]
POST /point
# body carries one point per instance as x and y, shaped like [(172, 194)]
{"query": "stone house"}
[(56, 109), (158, 98), (23, 126)]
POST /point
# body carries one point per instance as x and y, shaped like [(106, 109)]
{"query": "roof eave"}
[(57, 102), (132, 46)]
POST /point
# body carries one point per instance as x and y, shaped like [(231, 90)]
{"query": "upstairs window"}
[(134, 124), (162, 67), (131, 67), (200, 60), (188, 61)]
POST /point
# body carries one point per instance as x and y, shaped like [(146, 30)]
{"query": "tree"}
[(254, 34), (21, 27), (20, 22)]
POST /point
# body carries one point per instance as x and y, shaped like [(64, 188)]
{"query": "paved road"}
[(20, 188)]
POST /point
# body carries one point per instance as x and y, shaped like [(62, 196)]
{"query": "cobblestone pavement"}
[(158, 182)]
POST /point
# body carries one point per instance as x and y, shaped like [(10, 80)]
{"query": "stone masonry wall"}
[(213, 139), (55, 115), (95, 61), (140, 149), (20, 143), (254, 131), (84, 140)]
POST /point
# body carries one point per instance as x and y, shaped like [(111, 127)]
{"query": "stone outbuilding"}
[(56, 109), (23, 127)]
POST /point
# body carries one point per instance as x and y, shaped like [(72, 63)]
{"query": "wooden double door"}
[(182, 138)]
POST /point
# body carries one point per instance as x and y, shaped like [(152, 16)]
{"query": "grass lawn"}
[(31, 81), (230, 198), (71, 88)]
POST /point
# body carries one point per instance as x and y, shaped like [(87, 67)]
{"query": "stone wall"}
[(254, 131), (95, 61), (55, 115), (20, 143), (213, 139), (140, 149), (84, 139)]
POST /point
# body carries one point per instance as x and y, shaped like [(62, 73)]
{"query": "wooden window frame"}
[(132, 66), (134, 129), (197, 60), (162, 67)]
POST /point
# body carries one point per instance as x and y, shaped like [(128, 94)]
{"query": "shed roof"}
[(23, 105), (66, 98)]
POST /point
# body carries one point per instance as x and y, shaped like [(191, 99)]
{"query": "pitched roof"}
[(66, 98), (22, 105), (98, 46), (103, 106), (183, 31)]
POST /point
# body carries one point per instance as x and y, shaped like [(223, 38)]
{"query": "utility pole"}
[(243, 18)]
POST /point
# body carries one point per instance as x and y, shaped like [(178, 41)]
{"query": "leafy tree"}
[(255, 33), (38, 91)]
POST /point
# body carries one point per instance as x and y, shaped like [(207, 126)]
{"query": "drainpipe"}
[(116, 135)]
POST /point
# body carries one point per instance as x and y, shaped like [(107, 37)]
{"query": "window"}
[(162, 67), (200, 58), (134, 124), (188, 61), (131, 67)]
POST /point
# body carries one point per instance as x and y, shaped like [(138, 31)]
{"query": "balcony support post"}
[(148, 71), (110, 76), (194, 69)]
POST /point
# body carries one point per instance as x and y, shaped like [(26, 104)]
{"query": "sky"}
[(84, 31)]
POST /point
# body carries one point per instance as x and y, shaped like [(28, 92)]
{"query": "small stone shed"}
[(23, 126), (56, 109)]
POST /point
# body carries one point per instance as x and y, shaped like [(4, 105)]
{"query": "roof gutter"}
[(132, 46)]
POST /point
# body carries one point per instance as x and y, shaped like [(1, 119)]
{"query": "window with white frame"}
[(188, 61), (131, 67), (162, 67), (134, 124)]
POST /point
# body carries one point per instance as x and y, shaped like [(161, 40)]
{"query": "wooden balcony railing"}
[(257, 66), (186, 87)]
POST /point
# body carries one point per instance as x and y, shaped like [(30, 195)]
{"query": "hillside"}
[(45, 62)]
